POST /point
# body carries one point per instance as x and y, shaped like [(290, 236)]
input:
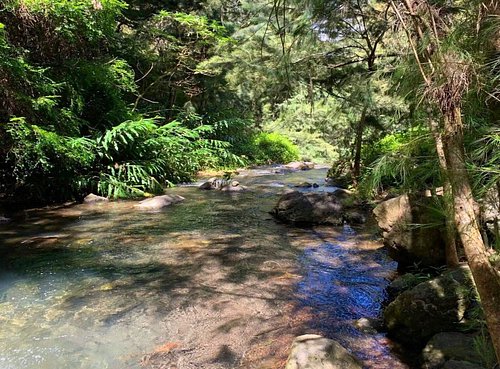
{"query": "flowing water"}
[(213, 282)]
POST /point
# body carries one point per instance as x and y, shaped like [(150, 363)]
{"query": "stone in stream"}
[(315, 208), (309, 208), (159, 202), (450, 346), (306, 185), (311, 351), (368, 325), (222, 185), (92, 199), (300, 165), (408, 244), (433, 306)]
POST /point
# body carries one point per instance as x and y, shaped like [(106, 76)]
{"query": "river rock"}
[(300, 165), (354, 217), (92, 199), (315, 352), (407, 244), (450, 346), (230, 186), (206, 185), (309, 208), (234, 186), (159, 202), (368, 325), (436, 305), (306, 185), (402, 283)]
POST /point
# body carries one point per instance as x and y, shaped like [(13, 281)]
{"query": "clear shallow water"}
[(200, 285)]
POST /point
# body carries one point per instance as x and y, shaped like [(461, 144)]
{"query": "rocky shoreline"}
[(432, 311)]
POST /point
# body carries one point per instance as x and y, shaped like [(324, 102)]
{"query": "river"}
[(213, 282)]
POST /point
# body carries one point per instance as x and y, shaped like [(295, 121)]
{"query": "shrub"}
[(274, 148)]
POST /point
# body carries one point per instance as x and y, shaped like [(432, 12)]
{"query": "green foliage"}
[(49, 165), (311, 125), (484, 348), (403, 160), (73, 20), (274, 148), (145, 156), (95, 90)]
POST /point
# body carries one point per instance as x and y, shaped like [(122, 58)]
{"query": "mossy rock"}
[(433, 306)]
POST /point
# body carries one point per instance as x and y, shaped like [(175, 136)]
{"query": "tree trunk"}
[(356, 168), (449, 231), (487, 279)]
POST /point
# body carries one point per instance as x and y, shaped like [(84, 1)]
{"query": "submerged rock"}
[(433, 306), (450, 346), (409, 244), (311, 351), (92, 199), (159, 202)]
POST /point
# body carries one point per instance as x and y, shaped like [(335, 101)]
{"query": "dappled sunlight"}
[(208, 282)]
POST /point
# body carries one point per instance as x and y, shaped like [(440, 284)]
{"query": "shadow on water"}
[(100, 286)]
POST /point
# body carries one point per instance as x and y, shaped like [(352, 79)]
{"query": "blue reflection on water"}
[(341, 284)]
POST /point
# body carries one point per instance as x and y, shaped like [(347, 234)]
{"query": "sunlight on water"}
[(107, 286)]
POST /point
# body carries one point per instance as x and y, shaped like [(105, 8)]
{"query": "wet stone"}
[(315, 352)]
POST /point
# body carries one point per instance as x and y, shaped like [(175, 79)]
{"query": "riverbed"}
[(212, 282)]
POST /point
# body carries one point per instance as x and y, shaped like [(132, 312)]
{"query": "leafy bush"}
[(404, 161), (274, 148), (45, 164)]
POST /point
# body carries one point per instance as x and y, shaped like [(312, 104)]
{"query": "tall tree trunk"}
[(356, 168), (449, 232), (487, 279)]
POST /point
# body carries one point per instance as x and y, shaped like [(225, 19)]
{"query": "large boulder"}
[(403, 283), (159, 202), (92, 199), (433, 306), (310, 208), (300, 165), (450, 346), (411, 230), (315, 352)]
